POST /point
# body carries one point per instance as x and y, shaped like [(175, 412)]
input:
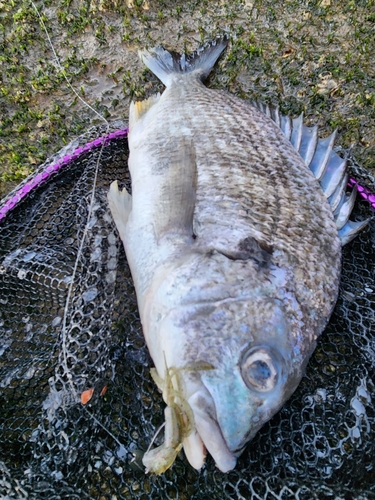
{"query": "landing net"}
[(70, 331)]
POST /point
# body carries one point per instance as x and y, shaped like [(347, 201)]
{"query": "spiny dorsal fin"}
[(327, 166)]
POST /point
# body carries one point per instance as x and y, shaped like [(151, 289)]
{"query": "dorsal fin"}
[(326, 165)]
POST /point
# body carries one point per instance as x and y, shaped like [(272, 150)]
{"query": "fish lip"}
[(208, 428), (239, 451)]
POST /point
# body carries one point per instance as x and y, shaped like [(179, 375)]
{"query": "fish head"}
[(256, 359)]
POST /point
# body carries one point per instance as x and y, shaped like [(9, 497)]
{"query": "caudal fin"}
[(165, 64)]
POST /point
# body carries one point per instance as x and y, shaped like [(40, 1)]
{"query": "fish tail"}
[(164, 64)]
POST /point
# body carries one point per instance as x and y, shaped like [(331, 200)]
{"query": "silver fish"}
[(233, 234)]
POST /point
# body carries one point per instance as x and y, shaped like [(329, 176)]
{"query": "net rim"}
[(40, 177), (51, 167)]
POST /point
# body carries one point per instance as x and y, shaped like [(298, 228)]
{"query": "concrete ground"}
[(312, 56)]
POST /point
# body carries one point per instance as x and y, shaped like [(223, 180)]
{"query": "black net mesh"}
[(69, 324)]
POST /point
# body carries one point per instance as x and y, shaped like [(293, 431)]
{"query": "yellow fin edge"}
[(139, 108)]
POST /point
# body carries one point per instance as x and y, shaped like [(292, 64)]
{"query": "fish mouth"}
[(203, 406)]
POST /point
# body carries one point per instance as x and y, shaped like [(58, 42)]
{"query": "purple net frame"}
[(364, 192), (52, 169), (103, 141)]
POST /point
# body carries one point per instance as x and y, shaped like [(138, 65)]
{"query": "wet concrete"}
[(312, 56)]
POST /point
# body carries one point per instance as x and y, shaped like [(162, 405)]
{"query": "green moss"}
[(282, 52)]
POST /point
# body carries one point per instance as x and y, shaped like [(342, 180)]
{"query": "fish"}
[(233, 232)]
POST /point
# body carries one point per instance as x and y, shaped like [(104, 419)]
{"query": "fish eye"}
[(258, 369)]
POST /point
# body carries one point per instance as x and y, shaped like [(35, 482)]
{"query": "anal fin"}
[(139, 108)]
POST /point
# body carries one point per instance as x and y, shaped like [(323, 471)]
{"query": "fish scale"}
[(234, 250), (282, 225)]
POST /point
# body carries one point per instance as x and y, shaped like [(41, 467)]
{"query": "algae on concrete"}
[(312, 56)]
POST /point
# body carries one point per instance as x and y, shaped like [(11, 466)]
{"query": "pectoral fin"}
[(176, 202)]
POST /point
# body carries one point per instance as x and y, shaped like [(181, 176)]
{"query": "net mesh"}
[(69, 328)]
